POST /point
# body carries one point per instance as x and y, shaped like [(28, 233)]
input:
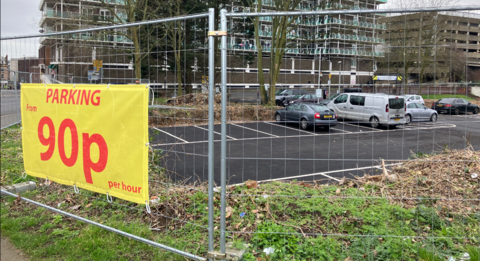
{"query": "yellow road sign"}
[(97, 64), (204, 79)]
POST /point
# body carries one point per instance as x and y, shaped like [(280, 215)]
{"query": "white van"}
[(375, 108)]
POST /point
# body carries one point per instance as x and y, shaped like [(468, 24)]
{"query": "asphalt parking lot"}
[(273, 151)]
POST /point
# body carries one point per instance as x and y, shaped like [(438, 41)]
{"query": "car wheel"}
[(408, 119), (278, 117), (374, 122), (434, 117), (303, 124), (457, 111), (475, 111)]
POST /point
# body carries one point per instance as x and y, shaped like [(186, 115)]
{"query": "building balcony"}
[(354, 38), (116, 2), (89, 37), (307, 51), (78, 16)]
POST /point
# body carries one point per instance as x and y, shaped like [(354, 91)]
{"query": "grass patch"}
[(441, 96), (295, 220)]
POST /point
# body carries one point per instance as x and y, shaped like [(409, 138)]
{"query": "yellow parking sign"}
[(92, 136)]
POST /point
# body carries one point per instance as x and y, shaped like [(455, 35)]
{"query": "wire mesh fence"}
[(343, 134), (168, 56)]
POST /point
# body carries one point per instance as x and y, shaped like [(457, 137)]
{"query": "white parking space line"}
[(215, 132), (321, 173), (171, 135), (287, 127), (358, 125), (254, 130), (339, 130), (320, 134)]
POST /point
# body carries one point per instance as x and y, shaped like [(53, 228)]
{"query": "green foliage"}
[(474, 253)]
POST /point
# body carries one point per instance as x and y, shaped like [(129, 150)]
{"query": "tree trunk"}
[(178, 71), (261, 76), (137, 54)]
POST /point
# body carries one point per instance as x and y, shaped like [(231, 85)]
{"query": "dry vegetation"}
[(193, 109)]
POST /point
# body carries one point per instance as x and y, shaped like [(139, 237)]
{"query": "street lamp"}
[(340, 75)]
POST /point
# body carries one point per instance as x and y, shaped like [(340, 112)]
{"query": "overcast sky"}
[(21, 17)]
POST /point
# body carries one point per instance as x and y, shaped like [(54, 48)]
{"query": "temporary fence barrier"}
[(288, 187)]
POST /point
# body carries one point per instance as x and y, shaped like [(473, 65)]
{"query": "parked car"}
[(377, 109), (331, 98), (455, 106), (286, 94), (307, 115), (308, 98), (414, 98), (419, 112)]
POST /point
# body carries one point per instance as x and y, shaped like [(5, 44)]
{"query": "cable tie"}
[(109, 198), (147, 206), (24, 175), (75, 188)]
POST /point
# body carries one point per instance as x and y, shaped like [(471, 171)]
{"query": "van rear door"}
[(396, 108)]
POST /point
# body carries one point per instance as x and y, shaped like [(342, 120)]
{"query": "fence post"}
[(223, 167), (211, 101), (16, 97)]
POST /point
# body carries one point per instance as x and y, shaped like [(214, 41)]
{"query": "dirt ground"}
[(9, 253)]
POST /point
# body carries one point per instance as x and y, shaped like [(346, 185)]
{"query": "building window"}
[(3, 76)]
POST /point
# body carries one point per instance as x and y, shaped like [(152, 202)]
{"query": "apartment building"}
[(447, 44), (71, 56), (343, 48)]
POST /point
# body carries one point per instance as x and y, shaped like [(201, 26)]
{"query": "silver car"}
[(418, 112), (414, 98)]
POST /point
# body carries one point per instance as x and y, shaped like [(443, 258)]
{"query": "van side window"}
[(357, 100), (341, 99)]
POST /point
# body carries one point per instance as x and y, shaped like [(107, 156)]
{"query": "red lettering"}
[(85, 97), (129, 188), (110, 184), (88, 165), (115, 184), (61, 142), (55, 96), (97, 100), (134, 189), (50, 141), (49, 93), (63, 96), (139, 188), (71, 96)]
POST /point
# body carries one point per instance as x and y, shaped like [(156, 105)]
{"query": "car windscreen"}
[(283, 91), (319, 108), (279, 92), (447, 100), (334, 96), (297, 96), (396, 103)]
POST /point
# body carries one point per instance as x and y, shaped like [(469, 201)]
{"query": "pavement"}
[(272, 151), (9, 105), (8, 252)]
